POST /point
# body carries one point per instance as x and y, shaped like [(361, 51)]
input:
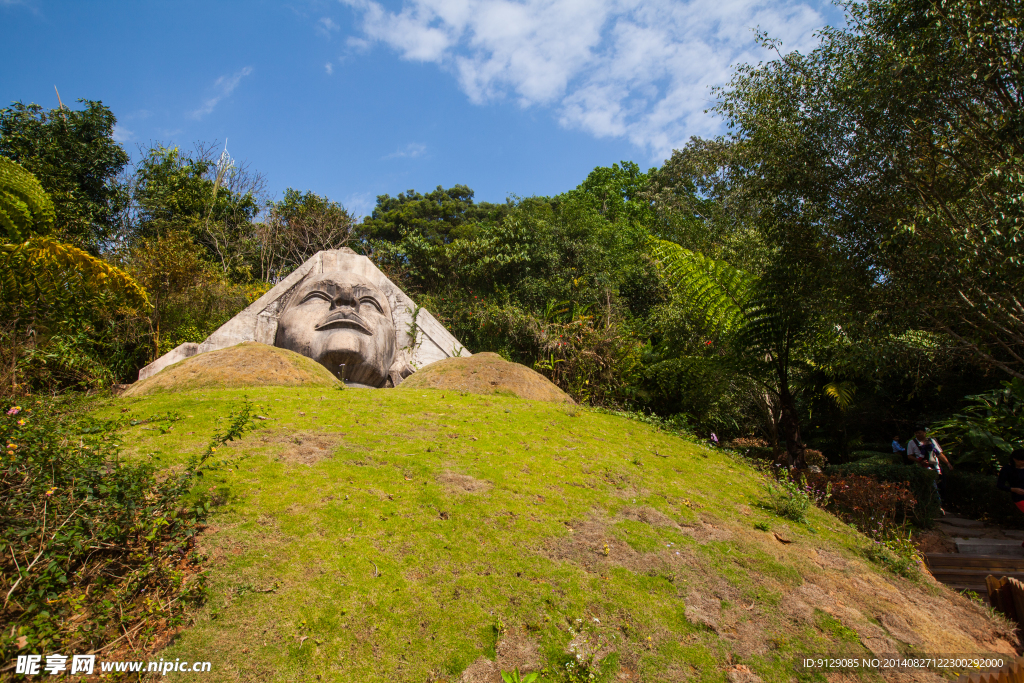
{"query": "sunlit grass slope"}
[(376, 535)]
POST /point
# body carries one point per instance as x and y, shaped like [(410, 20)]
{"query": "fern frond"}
[(715, 291), (842, 393)]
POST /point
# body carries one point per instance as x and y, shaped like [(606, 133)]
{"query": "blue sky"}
[(356, 98)]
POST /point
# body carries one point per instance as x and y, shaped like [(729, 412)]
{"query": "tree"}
[(921, 100), (49, 288), (299, 226), (214, 201), (75, 158), (438, 216)]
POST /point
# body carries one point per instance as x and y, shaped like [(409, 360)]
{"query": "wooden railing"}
[(1010, 674), (1007, 596)]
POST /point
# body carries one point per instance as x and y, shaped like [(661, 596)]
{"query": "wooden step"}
[(957, 575), (995, 563)]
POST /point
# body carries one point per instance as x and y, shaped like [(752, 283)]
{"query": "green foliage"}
[(987, 429), (75, 158), (516, 677), (86, 533), (895, 550), (792, 499), (41, 276), (716, 294), (25, 208), (44, 277), (440, 216), (299, 226), (214, 202)]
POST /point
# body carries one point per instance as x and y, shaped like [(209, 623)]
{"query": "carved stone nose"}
[(344, 297)]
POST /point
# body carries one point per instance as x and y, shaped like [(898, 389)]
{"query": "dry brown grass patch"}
[(463, 483), (248, 364), (307, 448)]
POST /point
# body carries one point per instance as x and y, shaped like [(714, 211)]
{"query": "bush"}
[(85, 534), (792, 499), (896, 551), (988, 429), (875, 507), (920, 481)]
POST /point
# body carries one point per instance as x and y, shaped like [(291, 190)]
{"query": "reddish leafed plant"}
[(873, 506)]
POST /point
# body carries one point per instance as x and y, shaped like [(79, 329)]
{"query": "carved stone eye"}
[(316, 294), (373, 302)]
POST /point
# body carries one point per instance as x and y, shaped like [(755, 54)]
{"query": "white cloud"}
[(223, 87), (637, 69), (361, 204), (410, 151), (325, 26), (329, 68), (122, 134)]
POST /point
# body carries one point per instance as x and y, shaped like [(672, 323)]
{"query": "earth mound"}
[(249, 364), (486, 373)]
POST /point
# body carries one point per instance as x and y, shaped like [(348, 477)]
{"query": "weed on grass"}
[(99, 551)]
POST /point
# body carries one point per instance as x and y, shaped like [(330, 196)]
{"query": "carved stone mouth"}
[(344, 319)]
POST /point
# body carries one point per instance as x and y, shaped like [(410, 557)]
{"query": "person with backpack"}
[(927, 453)]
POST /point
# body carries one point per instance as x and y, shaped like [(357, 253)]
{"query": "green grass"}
[(409, 528)]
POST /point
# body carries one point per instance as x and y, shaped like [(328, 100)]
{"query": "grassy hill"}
[(430, 535)]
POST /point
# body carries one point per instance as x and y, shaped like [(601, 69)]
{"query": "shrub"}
[(873, 506), (791, 499), (879, 509), (84, 533), (988, 428), (920, 481), (896, 551)]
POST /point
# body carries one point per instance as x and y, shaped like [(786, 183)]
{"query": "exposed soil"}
[(887, 613), (308, 448), (486, 373), (244, 365), (461, 483), (515, 650), (934, 541)]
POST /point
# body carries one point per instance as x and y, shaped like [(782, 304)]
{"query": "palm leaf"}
[(842, 393)]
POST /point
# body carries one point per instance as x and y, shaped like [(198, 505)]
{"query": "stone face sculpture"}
[(343, 324), (340, 310)]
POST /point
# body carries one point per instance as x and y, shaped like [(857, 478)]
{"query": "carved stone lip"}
[(344, 319)]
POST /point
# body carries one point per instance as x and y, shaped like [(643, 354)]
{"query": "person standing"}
[(897, 449)]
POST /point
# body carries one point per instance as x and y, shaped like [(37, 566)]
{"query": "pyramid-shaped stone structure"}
[(341, 310)]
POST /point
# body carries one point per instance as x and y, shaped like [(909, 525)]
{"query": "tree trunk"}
[(790, 426)]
